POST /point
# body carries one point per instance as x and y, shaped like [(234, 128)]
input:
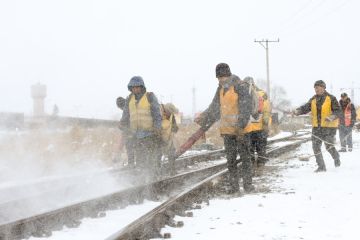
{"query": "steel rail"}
[(150, 224), (43, 223)]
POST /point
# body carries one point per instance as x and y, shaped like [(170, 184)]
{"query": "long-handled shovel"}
[(184, 147)]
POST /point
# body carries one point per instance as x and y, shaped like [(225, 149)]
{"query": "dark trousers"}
[(258, 142), (345, 134), (233, 146), (326, 135), (146, 155)]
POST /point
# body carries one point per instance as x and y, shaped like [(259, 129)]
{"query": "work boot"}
[(233, 190), (320, 169), (249, 188), (342, 150), (350, 149), (337, 162)]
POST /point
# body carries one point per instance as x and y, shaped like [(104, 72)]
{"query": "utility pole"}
[(266, 46)]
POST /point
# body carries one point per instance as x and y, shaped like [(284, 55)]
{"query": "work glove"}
[(120, 102), (330, 118), (255, 117), (295, 112), (198, 119)]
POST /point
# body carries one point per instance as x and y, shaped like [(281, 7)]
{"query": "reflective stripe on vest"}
[(229, 111), (325, 112), (140, 114), (347, 115)]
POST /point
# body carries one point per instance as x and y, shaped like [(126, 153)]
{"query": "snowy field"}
[(301, 205)]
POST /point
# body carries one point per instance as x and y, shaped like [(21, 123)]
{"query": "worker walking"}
[(325, 113), (347, 121), (141, 121), (232, 106)]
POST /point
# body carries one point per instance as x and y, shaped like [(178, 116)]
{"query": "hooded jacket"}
[(155, 114), (213, 112)]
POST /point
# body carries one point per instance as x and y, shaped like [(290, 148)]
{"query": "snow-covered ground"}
[(301, 205), (280, 135), (101, 228), (308, 205)]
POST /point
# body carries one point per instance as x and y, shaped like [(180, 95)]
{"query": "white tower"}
[(38, 93)]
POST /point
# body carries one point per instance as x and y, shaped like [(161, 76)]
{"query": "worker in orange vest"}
[(259, 128), (231, 105), (347, 121)]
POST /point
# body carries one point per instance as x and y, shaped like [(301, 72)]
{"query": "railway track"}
[(44, 222), (149, 225)]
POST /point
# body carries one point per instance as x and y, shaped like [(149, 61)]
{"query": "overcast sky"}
[(87, 51)]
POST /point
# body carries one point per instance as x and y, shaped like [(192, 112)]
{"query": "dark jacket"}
[(213, 114), (155, 113), (343, 105), (335, 108)]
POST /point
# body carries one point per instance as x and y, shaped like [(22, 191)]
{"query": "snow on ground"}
[(302, 205), (280, 135), (310, 206), (101, 228)]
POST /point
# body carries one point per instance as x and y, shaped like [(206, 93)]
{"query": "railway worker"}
[(258, 128), (141, 121), (169, 129), (129, 145), (325, 112), (232, 106), (347, 121)]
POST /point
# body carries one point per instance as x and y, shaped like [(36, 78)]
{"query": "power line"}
[(301, 27), (299, 21)]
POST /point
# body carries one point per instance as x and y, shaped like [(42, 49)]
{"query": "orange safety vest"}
[(325, 112), (347, 115), (229, 110), (264, 109)]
